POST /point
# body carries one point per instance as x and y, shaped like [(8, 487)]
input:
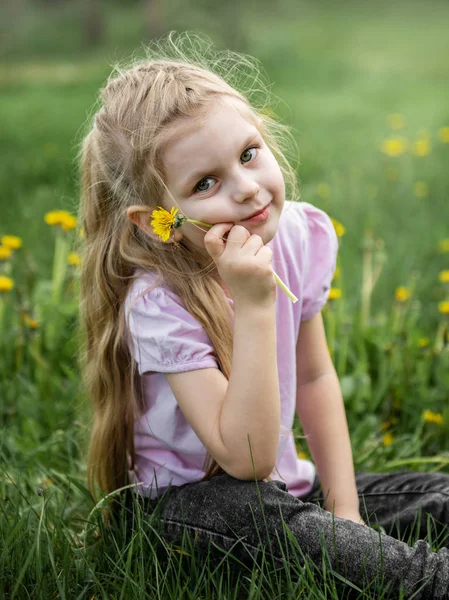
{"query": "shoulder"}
[(148, 292)]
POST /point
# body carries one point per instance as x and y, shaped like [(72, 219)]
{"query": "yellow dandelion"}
[(444, 276), (339, 228), (443, 134), (423, 342), (337, 273), (431, 417), (11, 241), (323, 190), (395, 146), (60, 217), (422, 147), (163, 222), (30, 322), (387, 439), (396, 121), (73, 259), (421, 189), (443, 246), (443, 307), (6, 284), (334, 293), (68, 222), (54, 217), (402, 294), (5, 252)]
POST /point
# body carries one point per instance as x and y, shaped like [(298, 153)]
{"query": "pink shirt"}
[(167, 339)]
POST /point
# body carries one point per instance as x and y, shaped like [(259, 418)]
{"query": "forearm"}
[(321, 412), (252, 402)]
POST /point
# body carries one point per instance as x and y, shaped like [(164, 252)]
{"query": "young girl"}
[(196, 360)]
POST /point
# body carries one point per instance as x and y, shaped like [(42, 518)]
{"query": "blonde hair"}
[(120, 163)]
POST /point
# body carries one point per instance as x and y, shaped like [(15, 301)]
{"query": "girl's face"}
[(219, 170)]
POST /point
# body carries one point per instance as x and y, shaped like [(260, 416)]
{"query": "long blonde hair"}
[(120, 166)]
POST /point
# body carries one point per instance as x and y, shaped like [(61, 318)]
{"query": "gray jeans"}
[(246, 518)]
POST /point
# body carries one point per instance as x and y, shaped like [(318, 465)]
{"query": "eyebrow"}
[(197, 176)]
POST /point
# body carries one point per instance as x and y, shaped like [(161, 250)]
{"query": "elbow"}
[(250, 473)]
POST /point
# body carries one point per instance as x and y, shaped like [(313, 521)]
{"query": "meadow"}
[(366, 90)]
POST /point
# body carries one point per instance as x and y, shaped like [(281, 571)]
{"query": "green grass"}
[(340, 70)]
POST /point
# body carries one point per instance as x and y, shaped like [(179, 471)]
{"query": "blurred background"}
[(360, 82)]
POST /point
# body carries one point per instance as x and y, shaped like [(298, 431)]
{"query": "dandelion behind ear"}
[(120, 164)]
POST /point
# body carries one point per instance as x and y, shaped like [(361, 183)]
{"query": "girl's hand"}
[(244, 264)]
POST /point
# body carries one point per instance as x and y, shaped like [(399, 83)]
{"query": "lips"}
[(258, 212)]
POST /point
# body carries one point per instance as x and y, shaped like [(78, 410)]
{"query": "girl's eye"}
[(202, 186), (248, 154)]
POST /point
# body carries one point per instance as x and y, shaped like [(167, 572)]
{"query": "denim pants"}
[(245, 517)]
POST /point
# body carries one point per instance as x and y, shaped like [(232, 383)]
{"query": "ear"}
[(141, 216)]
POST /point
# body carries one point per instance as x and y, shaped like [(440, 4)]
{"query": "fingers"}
[(214, 242)]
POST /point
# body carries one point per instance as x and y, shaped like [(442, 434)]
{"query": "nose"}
[(245, 188)]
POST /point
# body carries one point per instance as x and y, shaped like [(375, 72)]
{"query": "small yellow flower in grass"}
[(53, 217), (402, 294), (431, 417), (387, 439), (60, 217), (423, 342), (68, 222), (421, 189), (396, 121), (6, 284), (323, 190), (339, 228), (422, 147), (443, 134), (334, 293), (73, 259), (443, 246), (30, 322), (443, 307), (444, 276), (302, 455), (11, 241), (5, 252), (394, 146)]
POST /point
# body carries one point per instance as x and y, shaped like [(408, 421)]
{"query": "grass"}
[(340, 70)]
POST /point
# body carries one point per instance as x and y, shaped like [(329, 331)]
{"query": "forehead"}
[(202, 140)]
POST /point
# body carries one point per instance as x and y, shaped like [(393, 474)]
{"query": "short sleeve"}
[(164, 336), (320, 259)]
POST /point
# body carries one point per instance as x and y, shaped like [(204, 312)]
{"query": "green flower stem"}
[(2, 312), (278, 280), (59, 266)]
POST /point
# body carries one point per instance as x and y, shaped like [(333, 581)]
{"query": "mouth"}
[(260, 215)]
